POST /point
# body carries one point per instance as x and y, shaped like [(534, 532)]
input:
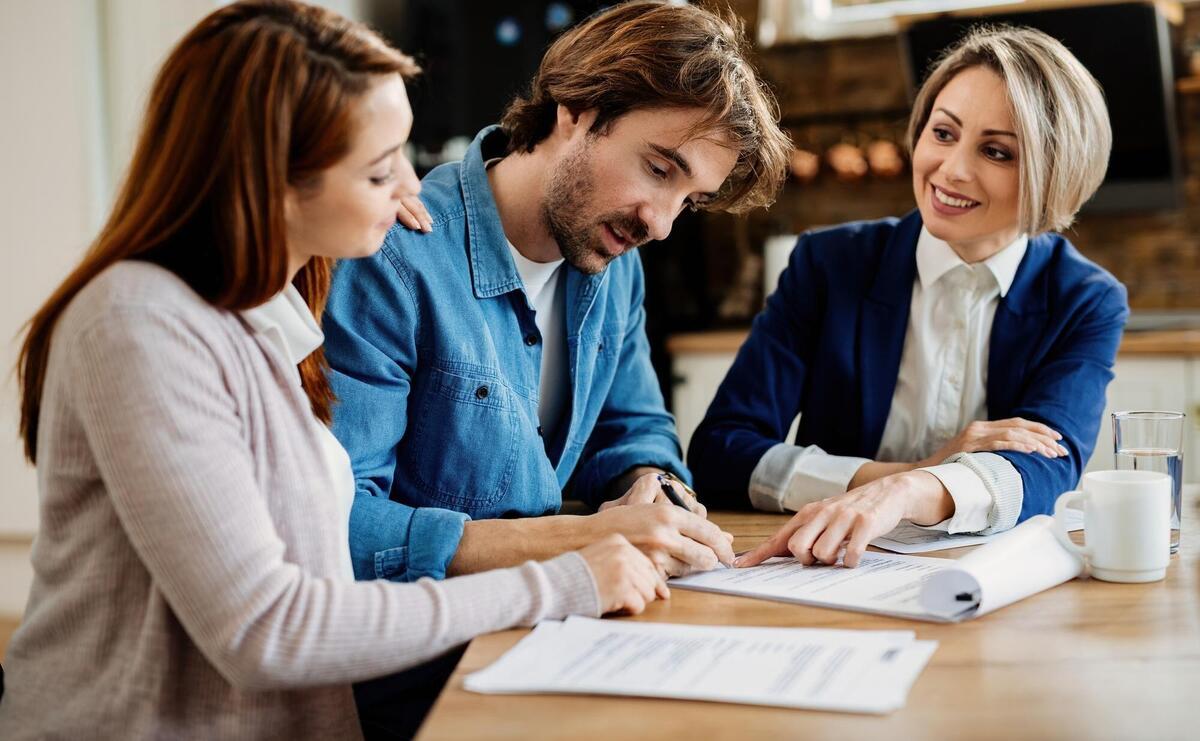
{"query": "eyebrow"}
[(385, 155), (680, 162), (986, 132)]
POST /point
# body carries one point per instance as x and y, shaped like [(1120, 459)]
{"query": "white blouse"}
[(287, 321), (941, 387)]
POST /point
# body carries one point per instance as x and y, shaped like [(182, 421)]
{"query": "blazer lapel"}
[(884, 325), (1016, 327)]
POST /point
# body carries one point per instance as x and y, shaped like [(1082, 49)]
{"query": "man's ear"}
[(568, 123)]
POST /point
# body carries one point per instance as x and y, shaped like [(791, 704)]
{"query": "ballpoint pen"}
[(664, 481), (669, 490)]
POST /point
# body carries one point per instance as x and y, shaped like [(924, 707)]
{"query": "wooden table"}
[(1144, 342), (1085, 660)]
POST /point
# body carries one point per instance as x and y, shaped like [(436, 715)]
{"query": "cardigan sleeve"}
[(154, 398)]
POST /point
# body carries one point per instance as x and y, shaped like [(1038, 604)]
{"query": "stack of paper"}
[(844, 670), (910, 538), (1018, 563)]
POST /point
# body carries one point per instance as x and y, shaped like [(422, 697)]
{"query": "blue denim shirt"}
[(436, 361)]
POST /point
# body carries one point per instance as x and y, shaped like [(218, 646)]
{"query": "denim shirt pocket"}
[(464, 428)]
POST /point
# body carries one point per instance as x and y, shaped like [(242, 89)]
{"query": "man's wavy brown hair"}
[(645, 55)]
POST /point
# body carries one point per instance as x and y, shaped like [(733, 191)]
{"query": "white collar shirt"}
[(941, 386), (288, 323)]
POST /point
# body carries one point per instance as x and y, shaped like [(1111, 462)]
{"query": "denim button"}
[(481, 392), (531, 339), (539, 431)]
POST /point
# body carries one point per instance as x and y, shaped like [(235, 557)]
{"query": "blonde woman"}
[(949, 367), (192, 572)]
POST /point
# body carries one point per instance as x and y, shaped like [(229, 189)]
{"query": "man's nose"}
[(658, 221)]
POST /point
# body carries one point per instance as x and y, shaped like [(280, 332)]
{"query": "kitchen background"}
[(75, 72)]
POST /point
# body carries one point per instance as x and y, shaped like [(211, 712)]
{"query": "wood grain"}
[(1088, 659), (7, 628), (1165, 342)]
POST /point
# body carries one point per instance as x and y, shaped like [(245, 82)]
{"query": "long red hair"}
[(256, 98)]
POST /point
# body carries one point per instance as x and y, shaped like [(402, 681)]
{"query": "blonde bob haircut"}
[(1063, 133)]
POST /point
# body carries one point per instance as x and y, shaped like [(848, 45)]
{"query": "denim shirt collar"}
[(493, 272)]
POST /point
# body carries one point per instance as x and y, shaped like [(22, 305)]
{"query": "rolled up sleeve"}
[(790, 476), (393, 541)]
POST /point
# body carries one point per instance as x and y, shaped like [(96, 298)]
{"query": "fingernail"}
[(737, 562)]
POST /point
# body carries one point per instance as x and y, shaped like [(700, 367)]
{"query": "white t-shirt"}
[(544, 288)]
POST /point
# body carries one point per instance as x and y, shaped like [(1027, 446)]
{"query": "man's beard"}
[(564, 211)]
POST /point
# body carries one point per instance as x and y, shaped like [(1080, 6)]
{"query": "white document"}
[(1019, 563), (1016, 564), (910, 538), (883, 583), (843, 670)]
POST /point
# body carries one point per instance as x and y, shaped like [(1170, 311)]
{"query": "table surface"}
[(1184, 342), (1087, 659)]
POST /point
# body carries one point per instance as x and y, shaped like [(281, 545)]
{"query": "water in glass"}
[(1162, 461)]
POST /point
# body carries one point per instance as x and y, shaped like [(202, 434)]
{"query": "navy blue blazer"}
[(828, 345)]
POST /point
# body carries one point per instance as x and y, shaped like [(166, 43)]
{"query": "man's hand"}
[(675, 540), (647, 489), (819, 529)]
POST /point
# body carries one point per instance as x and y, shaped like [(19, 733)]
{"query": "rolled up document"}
[(1019, 563)]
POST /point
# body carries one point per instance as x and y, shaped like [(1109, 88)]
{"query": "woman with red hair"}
[(192, 573)]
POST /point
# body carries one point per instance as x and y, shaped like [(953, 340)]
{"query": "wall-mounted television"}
[(1126, 47)]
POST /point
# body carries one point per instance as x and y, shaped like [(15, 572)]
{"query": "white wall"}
[(73, 79), (51, 199)]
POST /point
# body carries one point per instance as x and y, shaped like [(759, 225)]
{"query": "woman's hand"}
[(412, 213), (1016, 434), (626, 579), (818, 531)]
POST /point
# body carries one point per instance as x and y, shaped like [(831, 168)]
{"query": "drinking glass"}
[(1153, 441)]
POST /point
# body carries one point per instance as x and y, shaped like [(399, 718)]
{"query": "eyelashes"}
[(944, 135)]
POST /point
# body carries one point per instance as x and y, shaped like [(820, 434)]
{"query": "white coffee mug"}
[(1126, 524)]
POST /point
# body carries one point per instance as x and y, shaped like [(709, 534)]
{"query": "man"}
[(498, 355)]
